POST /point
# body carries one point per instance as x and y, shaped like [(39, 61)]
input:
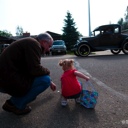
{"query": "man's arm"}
[(53, 86)]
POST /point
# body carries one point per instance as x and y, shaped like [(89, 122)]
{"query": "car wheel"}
[(125, 48), (76, 53), (115, 51), (83, 50)]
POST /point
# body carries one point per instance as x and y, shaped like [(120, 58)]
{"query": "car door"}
[(106, 40)]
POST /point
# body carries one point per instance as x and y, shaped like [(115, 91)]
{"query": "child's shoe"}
[(64, 102), (77, 100)]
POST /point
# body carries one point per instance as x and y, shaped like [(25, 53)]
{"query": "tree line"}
[(70, 33), (124, 21)]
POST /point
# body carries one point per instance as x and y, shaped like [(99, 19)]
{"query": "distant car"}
[(105, 37), (58, 47), (3, 46)]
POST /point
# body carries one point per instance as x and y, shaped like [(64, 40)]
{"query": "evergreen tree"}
[(70, 34)]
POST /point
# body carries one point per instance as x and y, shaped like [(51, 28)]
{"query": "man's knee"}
[(46, 79), (42, 80)]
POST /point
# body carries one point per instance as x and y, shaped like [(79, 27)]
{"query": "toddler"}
[(70, 86)]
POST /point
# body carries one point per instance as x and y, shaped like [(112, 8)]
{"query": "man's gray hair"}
[(45, 36)]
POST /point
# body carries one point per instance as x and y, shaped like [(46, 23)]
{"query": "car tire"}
[(116, 51), (83, 50), (125, 48)]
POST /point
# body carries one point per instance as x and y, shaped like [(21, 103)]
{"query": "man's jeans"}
[(39, 85)]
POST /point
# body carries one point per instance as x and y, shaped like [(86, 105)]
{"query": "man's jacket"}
[(20, 63)]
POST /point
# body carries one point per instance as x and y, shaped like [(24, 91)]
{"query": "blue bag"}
[(88, 98)]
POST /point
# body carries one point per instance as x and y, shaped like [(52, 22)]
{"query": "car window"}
[(116, 30), (58, 43), (4, 45), (97, 33)]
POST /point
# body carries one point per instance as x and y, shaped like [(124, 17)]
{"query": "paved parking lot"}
[(108, 74)]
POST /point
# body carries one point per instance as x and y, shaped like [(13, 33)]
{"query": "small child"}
[(70, 86)]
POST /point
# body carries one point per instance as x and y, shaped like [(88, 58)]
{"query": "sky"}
[(37, 16)]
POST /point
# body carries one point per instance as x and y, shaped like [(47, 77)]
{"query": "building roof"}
[(6, 39), (55, 36)]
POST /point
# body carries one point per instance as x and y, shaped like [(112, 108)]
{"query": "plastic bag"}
[(88, 98)]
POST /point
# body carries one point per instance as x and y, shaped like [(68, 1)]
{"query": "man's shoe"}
[(9, 107)]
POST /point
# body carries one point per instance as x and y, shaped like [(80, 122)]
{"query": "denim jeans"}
[(39, 85)]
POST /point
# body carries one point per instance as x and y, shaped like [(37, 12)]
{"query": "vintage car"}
[(105, 37), (2, 47)]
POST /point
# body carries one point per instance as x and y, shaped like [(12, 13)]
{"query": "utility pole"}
[(89, 21)]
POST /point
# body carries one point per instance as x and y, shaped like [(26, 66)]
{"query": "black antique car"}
[(105, 37)]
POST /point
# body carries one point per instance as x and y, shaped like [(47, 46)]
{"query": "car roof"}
[(58, 40), (104, 27), (4, 44)]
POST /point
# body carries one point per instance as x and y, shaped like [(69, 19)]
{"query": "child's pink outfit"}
[(70, 86)]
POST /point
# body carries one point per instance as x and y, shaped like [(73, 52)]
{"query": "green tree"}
[(124, 23), (126, 14), (70, 34), (19, 31), (5, 33), (126, 19), (120, 22)]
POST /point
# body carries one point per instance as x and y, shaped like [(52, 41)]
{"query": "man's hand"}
[(53, 86)]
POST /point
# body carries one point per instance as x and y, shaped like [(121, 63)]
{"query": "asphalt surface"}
[(109, 75)]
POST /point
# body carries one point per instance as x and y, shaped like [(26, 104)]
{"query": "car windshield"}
[(58, 43)]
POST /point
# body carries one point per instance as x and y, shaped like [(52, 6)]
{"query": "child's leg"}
[(76, 97), (63, 101)]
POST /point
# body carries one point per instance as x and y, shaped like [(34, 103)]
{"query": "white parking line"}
[(98, 82)]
